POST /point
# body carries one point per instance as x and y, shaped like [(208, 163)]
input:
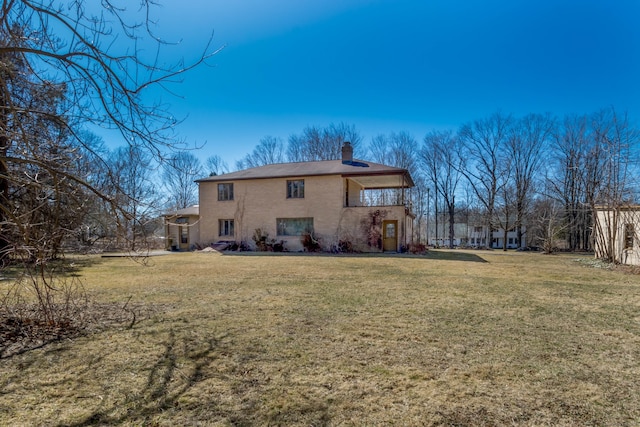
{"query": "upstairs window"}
[(225, 191), (295, 189)]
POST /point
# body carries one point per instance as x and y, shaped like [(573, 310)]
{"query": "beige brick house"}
[(347, 200)]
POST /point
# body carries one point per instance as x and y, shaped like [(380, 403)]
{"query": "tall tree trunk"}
[(452, 211), (4, 175), (505, 234)]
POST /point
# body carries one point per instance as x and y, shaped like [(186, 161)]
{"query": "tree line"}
[(539, 175)]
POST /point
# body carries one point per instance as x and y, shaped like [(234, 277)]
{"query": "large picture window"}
[(294, 226), (225, 227), (225, 191), (295, 189)]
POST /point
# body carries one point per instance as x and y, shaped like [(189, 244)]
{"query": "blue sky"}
[(395, 65)]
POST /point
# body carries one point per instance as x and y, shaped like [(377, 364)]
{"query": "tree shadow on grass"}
[(166, 384), (440, 255), (175, 392), (61, 267), (454, 255)]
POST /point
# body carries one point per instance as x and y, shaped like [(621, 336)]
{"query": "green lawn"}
[(450, 338)]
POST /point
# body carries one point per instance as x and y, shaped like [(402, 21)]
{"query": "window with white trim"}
[(225, 191), (225, 227), (295, 189), (629, 235)]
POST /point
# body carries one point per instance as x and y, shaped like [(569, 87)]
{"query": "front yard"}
[(451, 338)]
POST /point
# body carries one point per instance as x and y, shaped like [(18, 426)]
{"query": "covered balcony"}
[(381, 190)]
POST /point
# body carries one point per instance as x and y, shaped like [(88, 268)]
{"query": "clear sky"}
[(396, 65)]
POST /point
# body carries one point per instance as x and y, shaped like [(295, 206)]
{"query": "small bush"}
[(310, 242), (264, 244), (345, 246), (261, 239), (418, 248)]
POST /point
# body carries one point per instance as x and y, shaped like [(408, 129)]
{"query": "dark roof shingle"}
[(318, 168)]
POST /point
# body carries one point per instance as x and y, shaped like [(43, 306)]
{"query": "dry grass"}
[(460, 338)]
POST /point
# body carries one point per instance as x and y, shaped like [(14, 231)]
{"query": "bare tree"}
[(398, 150), (431, 162), (403, 152), (548, 224), (526, 147), (420, 202), (484, 156), (269, 150), (572, 150), (322, 143), (440, 156), (132, 173), (505, 213), (595, 166), (215, 165), (618, 141), (178, 178)]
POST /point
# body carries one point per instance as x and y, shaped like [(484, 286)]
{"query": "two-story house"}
[(347, 200), (477, 236)]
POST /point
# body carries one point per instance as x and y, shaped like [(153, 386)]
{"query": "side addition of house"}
[(181, 228), (342, 201)]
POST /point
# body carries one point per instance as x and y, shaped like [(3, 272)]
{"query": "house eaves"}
[(189, 211), (368, 174)]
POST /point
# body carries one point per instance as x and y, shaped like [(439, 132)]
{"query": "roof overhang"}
[(382, 181), (190, 211)]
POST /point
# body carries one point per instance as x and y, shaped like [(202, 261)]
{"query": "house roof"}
[(368, 174), (189, 211)]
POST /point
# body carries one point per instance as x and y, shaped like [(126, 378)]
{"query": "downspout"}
[(346, 201)]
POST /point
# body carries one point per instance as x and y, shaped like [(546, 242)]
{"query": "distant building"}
[(475, 236), (616, 234)]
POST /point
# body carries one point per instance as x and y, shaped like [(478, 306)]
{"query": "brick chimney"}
[(347, 153)]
